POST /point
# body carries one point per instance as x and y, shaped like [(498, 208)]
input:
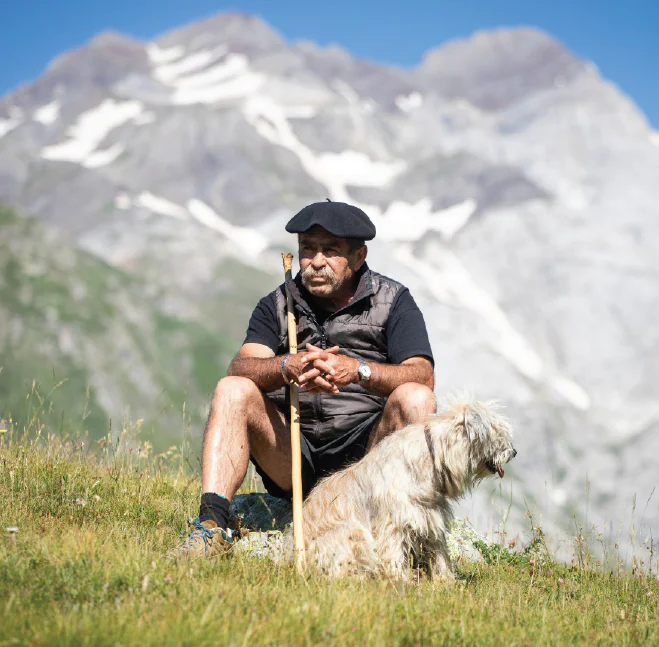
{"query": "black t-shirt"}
[(406, 329)]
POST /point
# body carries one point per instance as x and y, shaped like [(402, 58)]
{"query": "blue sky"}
[(621, 38)]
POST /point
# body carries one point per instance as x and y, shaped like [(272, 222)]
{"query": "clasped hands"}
[(322, 371)]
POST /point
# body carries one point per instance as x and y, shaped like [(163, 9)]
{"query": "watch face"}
[(364, 371)]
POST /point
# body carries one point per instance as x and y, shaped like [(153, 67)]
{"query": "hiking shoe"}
[(205, 539)]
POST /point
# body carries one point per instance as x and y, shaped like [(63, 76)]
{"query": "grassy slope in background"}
[(81, 345)]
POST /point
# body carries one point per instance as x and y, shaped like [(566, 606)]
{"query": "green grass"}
[(86, 567)]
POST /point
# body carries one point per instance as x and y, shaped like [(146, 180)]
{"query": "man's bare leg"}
[(243, 420), (407, 404)]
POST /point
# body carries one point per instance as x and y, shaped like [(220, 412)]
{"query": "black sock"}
[(214, 507)]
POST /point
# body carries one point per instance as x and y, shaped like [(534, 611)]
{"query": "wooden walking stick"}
[(296, 451)]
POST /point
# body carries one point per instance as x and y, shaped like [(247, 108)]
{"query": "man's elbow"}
[(429, 376), (233, 369)]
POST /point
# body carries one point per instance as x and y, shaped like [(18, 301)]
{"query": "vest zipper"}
[(317, 404)]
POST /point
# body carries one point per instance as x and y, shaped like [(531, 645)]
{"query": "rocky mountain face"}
[(86, 347), (514, 191)]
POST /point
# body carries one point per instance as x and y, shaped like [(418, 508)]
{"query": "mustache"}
[(324, 272)]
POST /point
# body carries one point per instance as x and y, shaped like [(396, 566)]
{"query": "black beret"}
[(340, 219)]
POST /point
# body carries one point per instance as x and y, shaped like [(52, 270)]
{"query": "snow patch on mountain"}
[(47, 114), (572, 392), (230, 66), (409, 102), (450, 282), (359, 108), (90, 129), (152, 203), (7, 125), (249, 240), (654, 138), (232, 89), (145, 118), (171, 72), (158, 56), (123, 201), (209, 76), (334, 171), (103, 157), (157, 204), (269, 120), (301, 112), (405, 222), (629, 430), (352, 167)]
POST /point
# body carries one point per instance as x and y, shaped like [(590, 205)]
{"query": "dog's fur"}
[(391, 510)]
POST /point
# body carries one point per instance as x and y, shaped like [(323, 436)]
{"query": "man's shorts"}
[(321, 460)]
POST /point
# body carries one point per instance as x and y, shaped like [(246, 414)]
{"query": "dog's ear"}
[(475, 426)]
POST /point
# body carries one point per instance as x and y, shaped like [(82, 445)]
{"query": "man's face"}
[(327, 263)]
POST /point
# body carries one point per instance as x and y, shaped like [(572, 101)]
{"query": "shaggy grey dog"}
[(391, 510)]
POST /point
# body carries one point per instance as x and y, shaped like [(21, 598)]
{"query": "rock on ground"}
[(264, 520)]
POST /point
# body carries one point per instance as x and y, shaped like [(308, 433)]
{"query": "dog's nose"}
[(514, 452)]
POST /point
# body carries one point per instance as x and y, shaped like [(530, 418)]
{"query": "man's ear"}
[(360, 257)]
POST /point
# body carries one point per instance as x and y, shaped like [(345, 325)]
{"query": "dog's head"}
[(485, 434)]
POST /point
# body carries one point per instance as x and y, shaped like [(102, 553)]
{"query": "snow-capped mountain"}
[(514, 191)]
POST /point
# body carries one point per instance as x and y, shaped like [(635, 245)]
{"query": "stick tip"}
[(288, 261)]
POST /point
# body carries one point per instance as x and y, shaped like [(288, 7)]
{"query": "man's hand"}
[(320, 370), (313, 378), (330, 370), (295, 368)]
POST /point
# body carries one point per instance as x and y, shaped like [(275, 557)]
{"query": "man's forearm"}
[(386, 377), (264, 372)]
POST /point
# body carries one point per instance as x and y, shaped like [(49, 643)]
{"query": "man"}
[(366, 370)]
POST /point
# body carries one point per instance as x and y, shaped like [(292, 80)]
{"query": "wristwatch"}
[(363, 372)]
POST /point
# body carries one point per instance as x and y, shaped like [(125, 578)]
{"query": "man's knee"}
[(413, 400), (234, 391)]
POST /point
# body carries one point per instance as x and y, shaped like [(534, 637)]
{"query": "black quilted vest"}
[(359, 329)]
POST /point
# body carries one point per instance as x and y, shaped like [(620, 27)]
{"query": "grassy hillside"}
[(92, 351), (86, 567)]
